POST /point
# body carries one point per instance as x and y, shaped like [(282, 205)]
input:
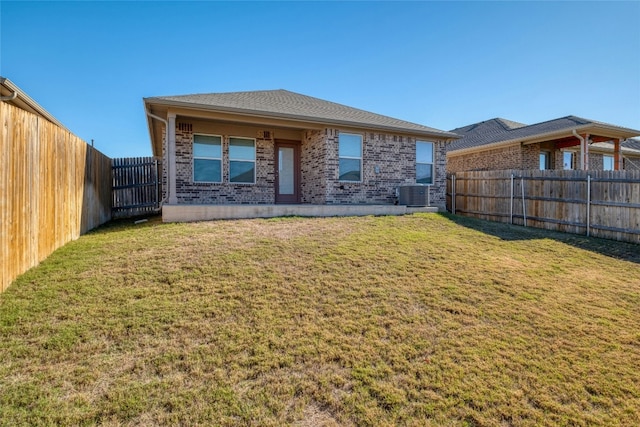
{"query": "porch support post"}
[(617, 158), (171, 158)]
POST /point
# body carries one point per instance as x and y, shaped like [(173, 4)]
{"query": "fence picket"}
[(135, 186), (554, 200)]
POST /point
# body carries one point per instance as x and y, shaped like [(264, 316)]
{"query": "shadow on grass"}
[(121, 224), (612, 248)]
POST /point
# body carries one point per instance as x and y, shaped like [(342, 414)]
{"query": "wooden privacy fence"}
[(136, 186), (597, 203), (53, 187)]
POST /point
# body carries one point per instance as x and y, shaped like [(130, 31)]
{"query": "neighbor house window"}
[(424, 162), (207, 158), (242, 160), (350, 156), (567, 160), (545, 160), (607, 163)]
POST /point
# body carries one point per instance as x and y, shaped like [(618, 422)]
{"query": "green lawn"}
[(425, 319)]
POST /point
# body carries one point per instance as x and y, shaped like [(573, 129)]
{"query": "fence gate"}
[(136, 186)]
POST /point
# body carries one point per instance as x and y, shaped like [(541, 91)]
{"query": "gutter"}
[(166, 150), (11, 97)]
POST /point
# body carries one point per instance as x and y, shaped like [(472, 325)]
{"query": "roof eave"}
[(297, 118)]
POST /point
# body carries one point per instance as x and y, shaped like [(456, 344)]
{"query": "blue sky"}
[(441, 64)]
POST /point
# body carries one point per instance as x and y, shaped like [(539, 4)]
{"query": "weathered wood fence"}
[(53, 187), (136, 186), (597, 203)]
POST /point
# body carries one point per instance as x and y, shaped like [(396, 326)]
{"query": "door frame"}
[(286, 198)]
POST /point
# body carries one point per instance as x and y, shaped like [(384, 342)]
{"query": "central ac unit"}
[(413, 195)]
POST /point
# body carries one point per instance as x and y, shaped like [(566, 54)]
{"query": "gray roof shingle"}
[(497, 130), (286, 104)]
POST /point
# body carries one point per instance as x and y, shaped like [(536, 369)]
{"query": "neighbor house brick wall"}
[(531, 156), (631, 163), (498, 159)]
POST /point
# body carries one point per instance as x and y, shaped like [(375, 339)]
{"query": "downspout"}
[(166, 139), (581, 148), (9, 97)]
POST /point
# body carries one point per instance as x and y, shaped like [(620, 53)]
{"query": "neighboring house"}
[(566, 143), (279, 147)]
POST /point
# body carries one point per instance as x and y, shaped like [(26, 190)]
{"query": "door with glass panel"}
[(287, 173)]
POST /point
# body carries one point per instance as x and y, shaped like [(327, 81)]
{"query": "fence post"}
[(588, 204), (511, 205), (453, 194), (524, 207)]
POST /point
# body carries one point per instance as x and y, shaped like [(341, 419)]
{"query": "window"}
[(242, 160), (607, 163), (350, 157), (207, 158), (424, 162), (545, 160), (567, 160)]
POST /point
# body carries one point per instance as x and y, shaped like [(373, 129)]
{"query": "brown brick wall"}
[(190, 192), (313, 170), (499, 159), (388, 161)]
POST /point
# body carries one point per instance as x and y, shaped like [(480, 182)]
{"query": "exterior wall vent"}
[(185, 127), (264, 134), (413, 195)]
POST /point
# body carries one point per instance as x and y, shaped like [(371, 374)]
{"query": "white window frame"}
[(613, 162), (254, 161), (547, 160), (433, 155), (573, 160), (350, 157), (207, 158)]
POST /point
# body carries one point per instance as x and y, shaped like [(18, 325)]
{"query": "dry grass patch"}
[(415, 320)]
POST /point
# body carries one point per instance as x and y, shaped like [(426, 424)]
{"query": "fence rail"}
[(598, 203), (136, 187), (53, 187)]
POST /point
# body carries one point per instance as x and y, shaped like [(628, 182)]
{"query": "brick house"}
[(566, 143), (248, 154)]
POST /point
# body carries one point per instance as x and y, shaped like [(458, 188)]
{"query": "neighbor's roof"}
[(16, 97), (290, 105), (496, 131)]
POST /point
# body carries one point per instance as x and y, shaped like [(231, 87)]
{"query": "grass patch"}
[(414, 320)]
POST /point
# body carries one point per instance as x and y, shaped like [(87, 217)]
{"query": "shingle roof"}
[(286, 104), (482, 133), (493, 131)]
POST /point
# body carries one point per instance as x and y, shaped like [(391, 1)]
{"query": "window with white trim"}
[(350, 157), (545, 160), (242, 160), (568, 160), (424, 162), (207, 158), (607, 163)]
